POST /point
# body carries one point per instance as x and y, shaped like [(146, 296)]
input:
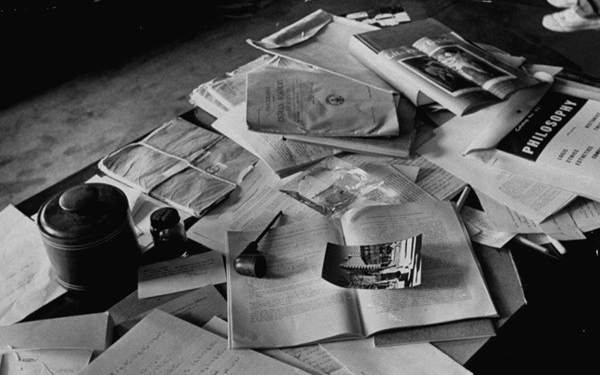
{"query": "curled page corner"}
[(297, 32)]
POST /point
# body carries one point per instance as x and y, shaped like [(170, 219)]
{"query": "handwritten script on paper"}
[(181, 274), (26, 277), (164, 344)]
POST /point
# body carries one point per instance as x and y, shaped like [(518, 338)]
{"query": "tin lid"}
[(84, 212)]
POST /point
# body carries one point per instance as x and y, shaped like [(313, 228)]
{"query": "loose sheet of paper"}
[(163, 344), (181, 274), (281, 156), (362, 357), (488, 234), (27, 281), (531, 198), (36, 361), (196, 306)]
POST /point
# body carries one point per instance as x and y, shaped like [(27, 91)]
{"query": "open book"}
[(428, 62), (294, 305)]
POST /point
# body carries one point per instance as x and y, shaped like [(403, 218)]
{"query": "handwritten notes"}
[(44, 361), (181, 274), (163, 344), (26, 277)]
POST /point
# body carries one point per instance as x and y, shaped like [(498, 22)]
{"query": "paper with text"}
[(180, 274), (264, 313), (162, 344), (55, 361), (27, 281)]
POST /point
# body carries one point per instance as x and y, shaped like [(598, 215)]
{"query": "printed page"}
[(27, 280), (282, 157), (297, 101), (181, 274), (291, 305), (585, 213), (560, 136), (529, 197), (452, 286), (560, 225), (197, 307), (435, 181), (163, 344), (488, 234)]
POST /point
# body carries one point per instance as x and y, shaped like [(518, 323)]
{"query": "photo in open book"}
[(471, 66), (391, 265), (444, 76)]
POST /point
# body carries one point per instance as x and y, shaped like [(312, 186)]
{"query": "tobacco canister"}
[(89, 236)]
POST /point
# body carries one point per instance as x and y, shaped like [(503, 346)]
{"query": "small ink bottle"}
[(168, 232)]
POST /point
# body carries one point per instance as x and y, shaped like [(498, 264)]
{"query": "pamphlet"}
[(291, 101)]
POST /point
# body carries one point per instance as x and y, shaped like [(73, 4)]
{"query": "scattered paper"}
[(488, 234), (181, 274), (45, 361), (196, 306), (27, 280), (362, 357), (93, 331), (162, 343)]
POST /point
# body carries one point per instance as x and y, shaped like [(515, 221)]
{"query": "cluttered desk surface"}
[(477, 245)]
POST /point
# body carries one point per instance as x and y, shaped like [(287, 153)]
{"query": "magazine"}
[(428, 62), (557, 141)]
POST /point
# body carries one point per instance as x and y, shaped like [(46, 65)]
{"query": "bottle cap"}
[(164, 218)]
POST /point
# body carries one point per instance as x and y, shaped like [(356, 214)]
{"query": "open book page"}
[(475, 64), (388, 52), (321, 39), (292, 305), (433, 180), (452, 286), (164, 344), (282, 157)]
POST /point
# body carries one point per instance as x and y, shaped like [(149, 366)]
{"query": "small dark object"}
[(168, 233), (251, 262)]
